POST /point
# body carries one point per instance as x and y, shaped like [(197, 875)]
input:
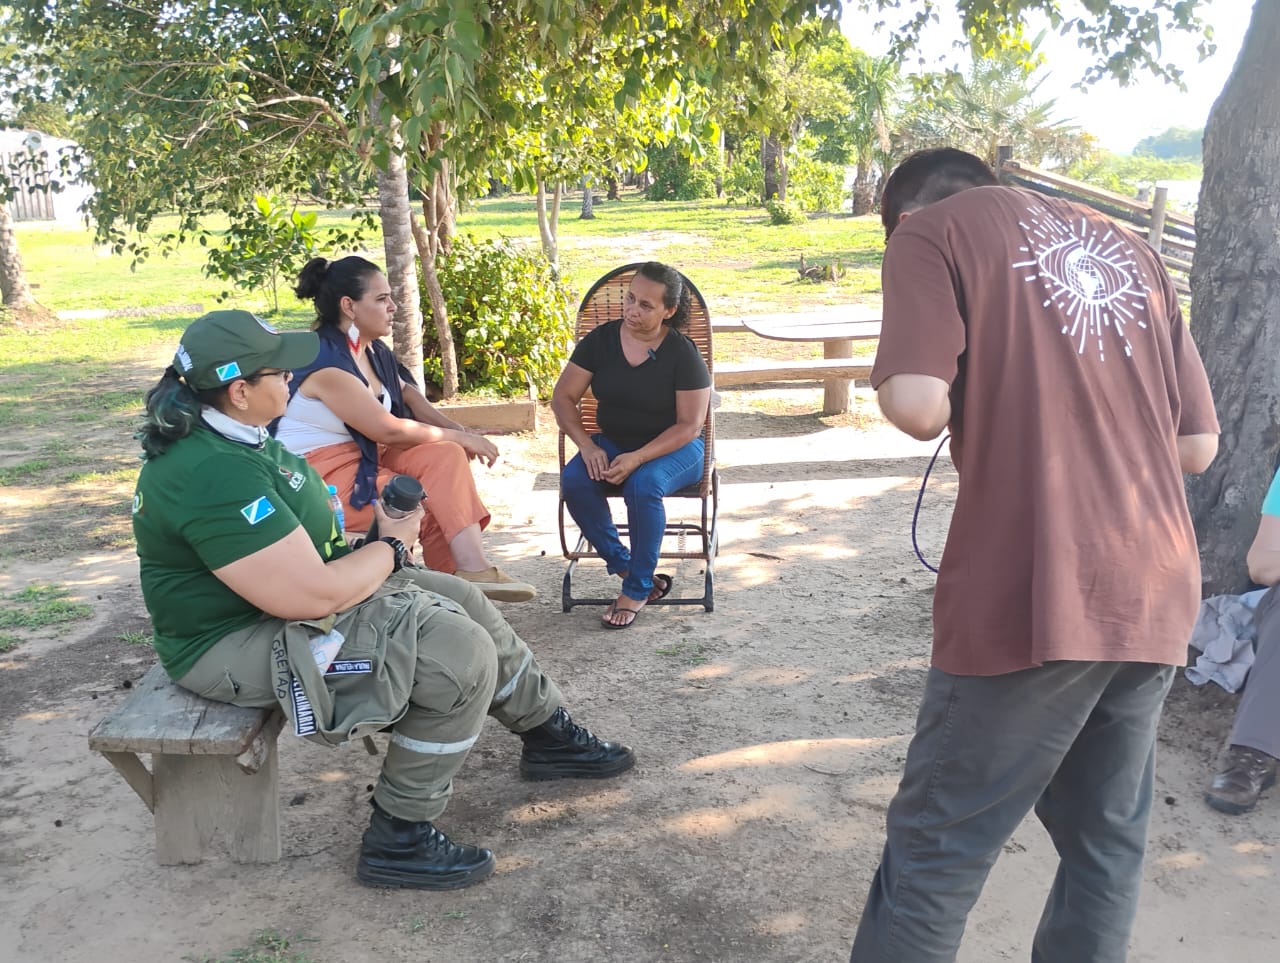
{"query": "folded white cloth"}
[(1224, 634)]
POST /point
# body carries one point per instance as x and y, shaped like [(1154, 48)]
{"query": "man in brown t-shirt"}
[(1050, 341)]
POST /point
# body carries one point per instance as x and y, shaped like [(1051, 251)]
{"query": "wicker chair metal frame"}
[(603, 303)]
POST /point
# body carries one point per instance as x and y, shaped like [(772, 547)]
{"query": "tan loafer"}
[(498, 585)]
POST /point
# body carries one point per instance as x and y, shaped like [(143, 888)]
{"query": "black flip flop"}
[(663, 588), (613, 607)]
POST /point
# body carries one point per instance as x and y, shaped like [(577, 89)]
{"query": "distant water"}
[(1184, 195)]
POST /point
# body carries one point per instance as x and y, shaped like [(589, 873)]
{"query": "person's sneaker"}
[(1245, 774), (561, 749), (398, 852), (498, 585)]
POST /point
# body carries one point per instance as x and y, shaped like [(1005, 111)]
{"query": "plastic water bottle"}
[(335, 502)]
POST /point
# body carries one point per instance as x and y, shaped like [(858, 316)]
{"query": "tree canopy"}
[(1174, 144)]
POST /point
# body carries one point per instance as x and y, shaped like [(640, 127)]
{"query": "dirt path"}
[(770, 734)]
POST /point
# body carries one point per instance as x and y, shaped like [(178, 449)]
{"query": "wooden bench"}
[(807, 369), (213, 769)]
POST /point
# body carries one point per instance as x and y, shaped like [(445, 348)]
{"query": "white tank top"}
[(308, 424)]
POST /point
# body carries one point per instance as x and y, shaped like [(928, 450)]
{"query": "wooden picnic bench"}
[(213, 769), (729, 374), (836, 368)]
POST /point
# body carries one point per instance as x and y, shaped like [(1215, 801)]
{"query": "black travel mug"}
[(400, 497)]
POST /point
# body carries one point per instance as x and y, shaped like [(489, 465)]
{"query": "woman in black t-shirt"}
[(652, 389)]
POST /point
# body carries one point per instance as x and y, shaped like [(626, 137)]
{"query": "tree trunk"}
[(397, 246), (16, 292), (1235, 307), (864, 189), (613, 189), (588, 202), (439, 211), (549, 223), (724, 166), (769, 163), (427, 248)]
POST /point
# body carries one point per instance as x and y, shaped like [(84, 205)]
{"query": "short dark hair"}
[(928, 176)]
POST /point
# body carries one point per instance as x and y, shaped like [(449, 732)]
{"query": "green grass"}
[(137, 638), (733, 254), (8, 642), (269, 946), (68, 272), (39, 606), (685, 652)]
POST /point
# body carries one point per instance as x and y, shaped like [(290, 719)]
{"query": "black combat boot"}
[(559, 749), (397, 852), (1246, 772)]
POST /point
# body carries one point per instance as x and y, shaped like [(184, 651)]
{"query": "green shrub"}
[(511, 318), (271, 240), (744, 180), (783, 213), (677, 178), (813, 185)]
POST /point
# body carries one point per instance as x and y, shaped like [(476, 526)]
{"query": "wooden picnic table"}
[(837, 337)]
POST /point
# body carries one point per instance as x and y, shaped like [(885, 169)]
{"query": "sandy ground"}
[(770, 735)]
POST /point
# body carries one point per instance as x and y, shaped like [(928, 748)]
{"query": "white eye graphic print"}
[(1093, 280)]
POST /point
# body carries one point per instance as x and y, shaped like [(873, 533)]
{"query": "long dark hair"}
[(172, 412), (675, 292), (327, 282)]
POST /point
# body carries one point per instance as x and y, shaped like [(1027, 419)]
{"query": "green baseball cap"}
[(225, 345)]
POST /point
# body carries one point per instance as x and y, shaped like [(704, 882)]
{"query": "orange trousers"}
[(445, 473)]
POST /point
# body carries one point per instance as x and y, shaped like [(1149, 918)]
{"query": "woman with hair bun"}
[(359, 418), (652, 388)]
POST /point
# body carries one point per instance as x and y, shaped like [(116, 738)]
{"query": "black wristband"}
[(402, 553)]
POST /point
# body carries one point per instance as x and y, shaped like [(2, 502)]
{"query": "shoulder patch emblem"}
[(296, 478), (257, 510)]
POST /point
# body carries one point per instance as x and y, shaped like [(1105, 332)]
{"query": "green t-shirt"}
[(203, 504)]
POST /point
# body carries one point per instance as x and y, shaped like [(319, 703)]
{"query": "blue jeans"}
[(643, 491), (1076, 740)]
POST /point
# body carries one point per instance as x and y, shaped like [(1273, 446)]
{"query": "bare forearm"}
[(405, 433), (569, 419), (361, 572), (289, 580), (427, 413), (919, 405), (1264, 566), (1196, 452), (673, 439)]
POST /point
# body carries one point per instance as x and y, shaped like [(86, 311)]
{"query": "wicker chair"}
[(604, 303)]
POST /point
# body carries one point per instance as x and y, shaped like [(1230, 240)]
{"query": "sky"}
[(1118, 116)]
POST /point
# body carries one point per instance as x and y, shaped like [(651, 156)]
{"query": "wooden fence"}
[(32, 199), (1172, 235)]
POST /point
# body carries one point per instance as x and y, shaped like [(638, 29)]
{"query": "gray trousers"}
[(1074, 740), (464, 667), (1257, 722)]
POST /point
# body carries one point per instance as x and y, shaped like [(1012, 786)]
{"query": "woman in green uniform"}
[(256, 600)]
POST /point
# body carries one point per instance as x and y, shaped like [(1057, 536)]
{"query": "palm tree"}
[(992, 104), (874, 84)]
